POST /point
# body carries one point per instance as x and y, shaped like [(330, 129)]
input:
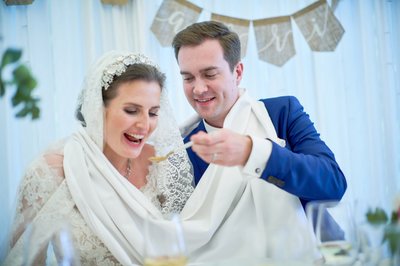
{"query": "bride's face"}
[(131, 117)]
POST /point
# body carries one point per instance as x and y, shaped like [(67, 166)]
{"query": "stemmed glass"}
[(49, 245), (164, 244), (334, 227)]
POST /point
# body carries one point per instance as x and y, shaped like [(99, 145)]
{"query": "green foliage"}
[(395, 217), (377, 217), (392, 231), (24, 83), (392, 235)]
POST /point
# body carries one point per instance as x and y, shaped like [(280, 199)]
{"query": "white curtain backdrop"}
[(352, 94)]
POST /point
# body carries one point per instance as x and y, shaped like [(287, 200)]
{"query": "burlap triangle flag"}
[(172, 17), (274, 40), (240, 26), (319, 26)]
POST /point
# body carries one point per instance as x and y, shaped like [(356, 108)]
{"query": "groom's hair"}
[(197, 33)]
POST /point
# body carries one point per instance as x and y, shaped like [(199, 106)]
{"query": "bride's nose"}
[(143, 122)]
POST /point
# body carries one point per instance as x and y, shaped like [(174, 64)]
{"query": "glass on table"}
[(164, 243), (334, 227), (49, 244)]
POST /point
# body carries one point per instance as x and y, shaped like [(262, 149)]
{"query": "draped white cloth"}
[(242, 216), (352, 94), (111, 207)]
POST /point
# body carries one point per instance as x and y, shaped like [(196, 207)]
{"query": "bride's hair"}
[(133, 72)]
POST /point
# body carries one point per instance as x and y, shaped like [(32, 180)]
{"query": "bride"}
[(98, 176)]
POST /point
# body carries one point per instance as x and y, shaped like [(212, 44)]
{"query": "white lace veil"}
[(169, 183)]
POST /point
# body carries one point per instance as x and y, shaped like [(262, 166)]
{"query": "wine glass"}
[(334, 227), (164, 244), (49, 244)]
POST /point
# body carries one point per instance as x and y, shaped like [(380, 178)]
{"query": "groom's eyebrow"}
[(201, 70), (185, 73), (208, 69)]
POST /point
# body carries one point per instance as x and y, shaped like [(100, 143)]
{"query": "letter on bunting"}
[(319, 26), (171, 17), (240, 26), (274, 40)]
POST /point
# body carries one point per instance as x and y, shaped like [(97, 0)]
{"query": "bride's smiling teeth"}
[(134, 137)]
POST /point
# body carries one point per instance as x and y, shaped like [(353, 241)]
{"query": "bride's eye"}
[(153, 114), (130, 111), (154, 111)]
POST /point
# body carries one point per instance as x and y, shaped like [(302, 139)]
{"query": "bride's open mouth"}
[(135, 138)]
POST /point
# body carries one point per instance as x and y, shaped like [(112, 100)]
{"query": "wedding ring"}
[(214, 157)]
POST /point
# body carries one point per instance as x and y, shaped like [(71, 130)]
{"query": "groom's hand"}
[(222, 147)]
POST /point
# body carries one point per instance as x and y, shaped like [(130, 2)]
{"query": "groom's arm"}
[(306, 167)]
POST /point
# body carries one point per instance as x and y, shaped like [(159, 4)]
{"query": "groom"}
[(297, 161)]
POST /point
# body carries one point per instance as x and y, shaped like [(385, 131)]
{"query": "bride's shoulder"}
[(41, 179), (47, 168)]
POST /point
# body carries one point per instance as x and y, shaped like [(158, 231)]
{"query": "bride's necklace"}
[(128, 169)]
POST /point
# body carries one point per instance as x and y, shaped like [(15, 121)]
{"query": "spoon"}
[(157, 159)]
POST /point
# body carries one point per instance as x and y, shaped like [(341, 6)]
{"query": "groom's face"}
[(209, 84)]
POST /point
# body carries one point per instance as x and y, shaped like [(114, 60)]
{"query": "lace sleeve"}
[(169, 183), (40, 181)]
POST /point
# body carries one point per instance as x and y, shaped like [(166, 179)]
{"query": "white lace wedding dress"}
[(44, 197)]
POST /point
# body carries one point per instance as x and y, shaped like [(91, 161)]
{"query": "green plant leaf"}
[(35, 112), (31, 108), (395, 217), (376, 217), (23, 112), (30, 83), (24, 83), (392, 235), (2, 88), (18, 97), (21, 74), (11, 55)]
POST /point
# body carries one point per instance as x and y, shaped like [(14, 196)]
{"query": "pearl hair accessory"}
[(120, 65)]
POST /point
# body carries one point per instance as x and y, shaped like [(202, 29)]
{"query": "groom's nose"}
[(199, 86)]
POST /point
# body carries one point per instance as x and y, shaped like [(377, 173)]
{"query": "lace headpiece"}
[(120, 65)]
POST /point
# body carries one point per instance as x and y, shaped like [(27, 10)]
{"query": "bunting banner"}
[(274, 36), (172, 17), (274, 39), (114, 2), (240, 26), (319, 26), (334, 4)]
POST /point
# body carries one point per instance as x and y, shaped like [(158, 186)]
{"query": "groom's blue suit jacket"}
[(306, 167)]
